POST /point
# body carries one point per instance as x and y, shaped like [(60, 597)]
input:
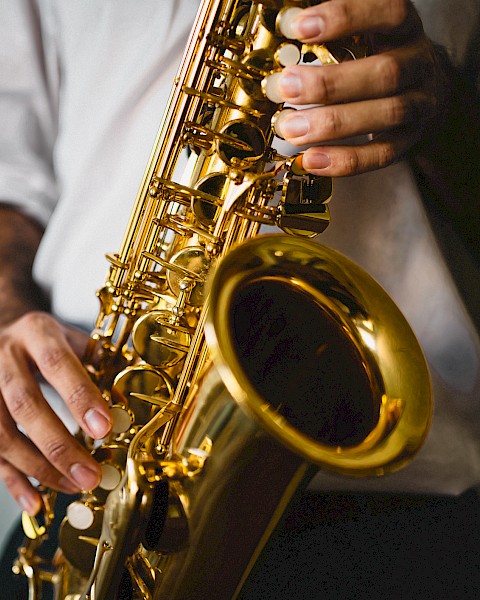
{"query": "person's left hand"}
[(394, 94)]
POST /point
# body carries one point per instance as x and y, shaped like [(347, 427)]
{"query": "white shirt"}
[(84, 84)]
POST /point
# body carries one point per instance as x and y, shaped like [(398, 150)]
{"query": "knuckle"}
[(325, 86), (79, 396), (330, 124), (389, 72), (55, 450), (351, 162), (51, 359), (396, 111), (36, 320), (385, 155), (22, 405), (339, 15), (398, 12)]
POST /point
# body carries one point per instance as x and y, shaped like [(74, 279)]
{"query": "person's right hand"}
[(32, 346)]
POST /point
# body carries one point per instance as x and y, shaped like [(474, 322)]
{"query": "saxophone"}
[(235, 364)]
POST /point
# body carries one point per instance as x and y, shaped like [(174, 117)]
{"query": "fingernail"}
[(308, 27), (29, 504), (84, 477), (98, 425), (316, 160), (290, 85), (294, 126)]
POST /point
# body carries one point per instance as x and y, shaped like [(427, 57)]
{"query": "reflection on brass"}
[(31, 527), (194, 263), (236, 365), (79, 546)]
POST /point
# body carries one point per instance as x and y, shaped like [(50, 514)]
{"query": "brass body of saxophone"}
[(228, 393)]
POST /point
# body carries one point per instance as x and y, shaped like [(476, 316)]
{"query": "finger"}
[(57, 362), (50, 453), (342, 161), (327, 123), (21, 454), (76, 339), (372, 77), (338, 18), (26, 496)]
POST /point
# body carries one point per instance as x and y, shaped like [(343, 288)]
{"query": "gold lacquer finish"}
[(235, 365), (316, 352), (311, 364)]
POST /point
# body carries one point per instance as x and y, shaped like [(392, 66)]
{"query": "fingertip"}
[(98, 424), (29, 503), (85, 477), (308, 27), (316, 159), (20, 488)]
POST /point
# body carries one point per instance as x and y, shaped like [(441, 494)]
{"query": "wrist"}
[(19, 240)]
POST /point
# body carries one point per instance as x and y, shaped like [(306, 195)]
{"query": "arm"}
[(18, 292), (33, 343)]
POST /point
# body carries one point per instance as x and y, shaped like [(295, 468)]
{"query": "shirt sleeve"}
[(29, 89)]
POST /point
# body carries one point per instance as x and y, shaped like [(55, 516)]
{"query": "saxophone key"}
[(288, 54), (79, 534), (285, 19), (143, 389), (80, 515), (122, 418), (111, 476), (191, 264), (271, 87), (161, 339)]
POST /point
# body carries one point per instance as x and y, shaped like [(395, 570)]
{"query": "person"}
[(82, 91)]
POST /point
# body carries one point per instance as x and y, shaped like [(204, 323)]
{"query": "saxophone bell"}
[(312, 366)]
